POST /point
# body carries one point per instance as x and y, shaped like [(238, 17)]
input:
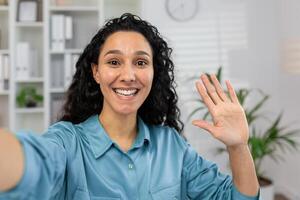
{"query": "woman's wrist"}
[(239, 148)]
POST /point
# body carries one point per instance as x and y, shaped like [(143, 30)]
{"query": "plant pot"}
[(30, 104), (266, 188)]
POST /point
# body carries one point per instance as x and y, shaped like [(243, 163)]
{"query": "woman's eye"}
[(113, 62), (141, 63)]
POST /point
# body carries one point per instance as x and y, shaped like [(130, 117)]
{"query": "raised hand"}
[(229, 123)]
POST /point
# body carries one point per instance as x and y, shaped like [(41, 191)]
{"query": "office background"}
[(256, 42)]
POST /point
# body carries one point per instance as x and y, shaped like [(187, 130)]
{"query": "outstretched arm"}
[(11, 160), (229, 126), (32, 166)]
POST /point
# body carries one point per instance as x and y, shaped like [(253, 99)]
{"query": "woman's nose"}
[(128, 73)]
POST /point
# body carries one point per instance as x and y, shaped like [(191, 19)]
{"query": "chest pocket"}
[(83, 195), (166, 193)]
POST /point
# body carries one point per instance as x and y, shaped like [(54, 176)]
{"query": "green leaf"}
[(219, 74), (252, 114)]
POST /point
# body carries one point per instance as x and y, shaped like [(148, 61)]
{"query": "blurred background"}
[(255, 42)]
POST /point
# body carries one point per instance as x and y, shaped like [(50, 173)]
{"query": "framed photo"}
[(28, 11)]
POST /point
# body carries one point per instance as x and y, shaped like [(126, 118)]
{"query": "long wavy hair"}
[(84, 97)]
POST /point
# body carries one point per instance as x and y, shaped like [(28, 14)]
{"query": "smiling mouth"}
[(126, 92)]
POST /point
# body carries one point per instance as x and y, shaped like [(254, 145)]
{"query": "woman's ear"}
[(95, 72)]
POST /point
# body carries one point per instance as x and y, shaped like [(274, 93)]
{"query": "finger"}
[(210, 89), (205, 125), (232, 93), (205, 97), (219, 88)]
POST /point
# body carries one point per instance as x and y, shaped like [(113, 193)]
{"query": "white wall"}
[(268, 22)]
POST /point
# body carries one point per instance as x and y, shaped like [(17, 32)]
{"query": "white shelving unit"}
[(86, 21), (49, 77), (4, 51), (32, 33)]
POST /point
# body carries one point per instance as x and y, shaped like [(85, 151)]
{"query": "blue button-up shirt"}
[(81, 162)]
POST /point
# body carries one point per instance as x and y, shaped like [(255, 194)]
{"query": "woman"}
[(119, 137)]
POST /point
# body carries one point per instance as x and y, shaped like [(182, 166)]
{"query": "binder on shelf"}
[(34, 68), (1, 73), (58, 32), (68, 70), (57, 71), (26, 62), (69, 27), (6, 71), (23, 61), (6, 67)]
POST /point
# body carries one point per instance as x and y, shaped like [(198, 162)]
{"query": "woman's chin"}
[(126, 111)]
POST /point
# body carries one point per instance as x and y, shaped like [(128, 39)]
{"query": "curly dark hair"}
[(84, 98)]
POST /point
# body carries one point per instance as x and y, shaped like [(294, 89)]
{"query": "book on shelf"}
[(61, 30), (4, 71)]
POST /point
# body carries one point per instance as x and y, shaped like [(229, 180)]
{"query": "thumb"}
[(205, 125)]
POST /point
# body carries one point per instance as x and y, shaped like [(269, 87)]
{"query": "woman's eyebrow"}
[(116, 51), (141, 53)]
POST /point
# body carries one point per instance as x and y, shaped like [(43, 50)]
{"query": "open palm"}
[(229, 123)]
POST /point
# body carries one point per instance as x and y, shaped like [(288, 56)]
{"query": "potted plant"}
[(28, 97), (263, 143)]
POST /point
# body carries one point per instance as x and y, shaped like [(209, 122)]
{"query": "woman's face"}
[(124, 72)]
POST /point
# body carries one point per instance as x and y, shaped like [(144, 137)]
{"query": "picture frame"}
[(28, 11)]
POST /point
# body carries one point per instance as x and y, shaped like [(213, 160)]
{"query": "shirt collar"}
[(143, 134), (99, 140)]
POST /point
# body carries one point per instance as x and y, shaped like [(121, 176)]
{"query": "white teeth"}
[(126, 92)]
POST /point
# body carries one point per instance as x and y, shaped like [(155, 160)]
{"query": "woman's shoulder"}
[(65, 132), (62, 128)]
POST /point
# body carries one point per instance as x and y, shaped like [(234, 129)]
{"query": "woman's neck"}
[(122, 129)]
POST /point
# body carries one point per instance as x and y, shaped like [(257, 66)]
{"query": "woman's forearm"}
[(11, 160), (243, 170)]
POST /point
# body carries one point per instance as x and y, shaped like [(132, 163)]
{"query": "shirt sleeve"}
[(44, 167), (204, 180)]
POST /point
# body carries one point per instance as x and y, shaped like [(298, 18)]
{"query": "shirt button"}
[(130, 166)]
